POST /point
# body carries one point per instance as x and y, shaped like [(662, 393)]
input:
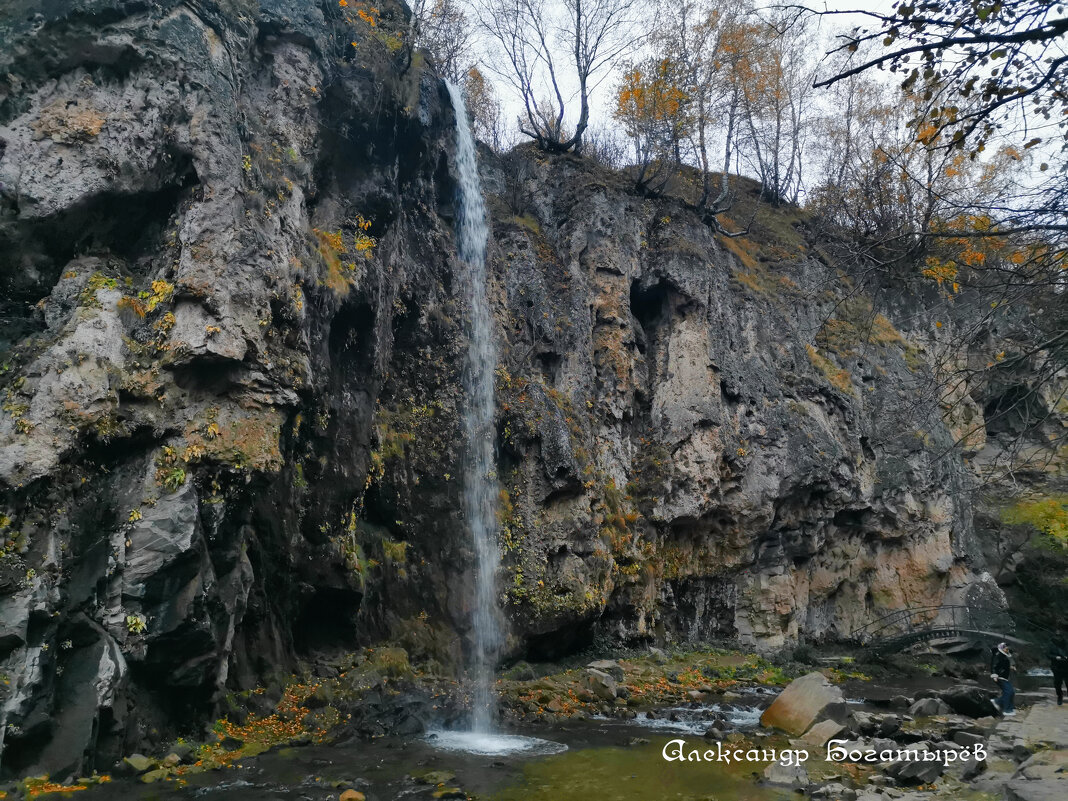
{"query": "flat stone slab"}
[(609, 666), (820, 733), (1046, 725), (1043, 777), (782, 776)]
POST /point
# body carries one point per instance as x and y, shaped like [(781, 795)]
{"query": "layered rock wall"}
[(703, 431)]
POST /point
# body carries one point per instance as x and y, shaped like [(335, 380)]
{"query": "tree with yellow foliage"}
[(746, 77), (694, 35), (773, 77), (484, 108), (655, 112)]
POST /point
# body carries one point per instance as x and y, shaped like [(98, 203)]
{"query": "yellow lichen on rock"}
[(68, 122)]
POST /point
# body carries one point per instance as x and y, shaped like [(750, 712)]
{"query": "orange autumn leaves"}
[(341, 274), (367, 13), (651, 100), (972, 241), (718, 76), (364, 12)]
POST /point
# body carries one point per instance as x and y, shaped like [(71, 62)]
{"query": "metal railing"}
[(926, 622)]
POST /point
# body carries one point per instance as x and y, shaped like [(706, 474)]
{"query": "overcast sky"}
[(603, 95)]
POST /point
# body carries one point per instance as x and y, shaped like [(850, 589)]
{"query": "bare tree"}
[(443, 29), (547, 47), (606, 146)]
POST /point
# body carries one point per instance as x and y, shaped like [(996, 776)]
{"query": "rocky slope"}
[(231, 385)]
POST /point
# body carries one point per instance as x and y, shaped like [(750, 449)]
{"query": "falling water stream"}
[(480, 483)]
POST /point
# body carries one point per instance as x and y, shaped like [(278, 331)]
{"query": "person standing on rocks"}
[(1001, 668), (1058, 662)]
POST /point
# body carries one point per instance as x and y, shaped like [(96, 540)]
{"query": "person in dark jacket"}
[(1058, 661), (1001, 667)]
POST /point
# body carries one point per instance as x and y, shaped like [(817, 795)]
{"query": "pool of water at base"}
[(605, 760)]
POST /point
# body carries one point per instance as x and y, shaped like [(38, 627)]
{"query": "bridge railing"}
[(926, 618)]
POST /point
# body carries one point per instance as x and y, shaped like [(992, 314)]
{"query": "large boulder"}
[(601, 684), (805, 701), (968, 700)]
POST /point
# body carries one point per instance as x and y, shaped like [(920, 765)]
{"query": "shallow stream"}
[(597, 759), (605, 760)]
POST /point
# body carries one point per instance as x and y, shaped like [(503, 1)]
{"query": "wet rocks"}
[(139, 763), (153, 776), (375, 713), (435, 777), (927, 707), (170, 761)]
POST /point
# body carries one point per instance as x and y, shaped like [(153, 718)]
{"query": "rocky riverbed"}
[(370, 727)]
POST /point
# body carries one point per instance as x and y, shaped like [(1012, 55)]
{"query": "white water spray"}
[(480, 494)]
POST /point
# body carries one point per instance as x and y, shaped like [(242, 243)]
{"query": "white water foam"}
[(482, 744), (699, 720)]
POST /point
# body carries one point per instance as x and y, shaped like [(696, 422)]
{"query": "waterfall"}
[(480, 494)]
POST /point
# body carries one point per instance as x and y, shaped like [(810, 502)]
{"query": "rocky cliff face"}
[(231, 385), (700, 437)]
